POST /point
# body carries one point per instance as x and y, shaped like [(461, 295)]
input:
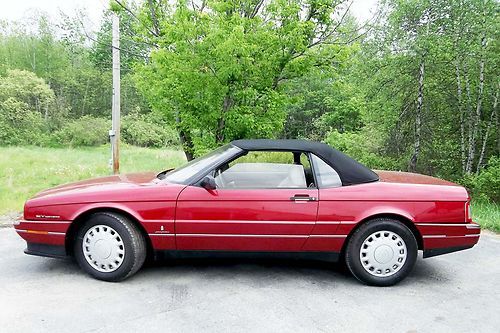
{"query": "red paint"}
[(192, 218)]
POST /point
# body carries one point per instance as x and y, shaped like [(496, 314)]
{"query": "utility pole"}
[(114, 134)]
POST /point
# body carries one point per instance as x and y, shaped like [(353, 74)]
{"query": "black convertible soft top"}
[(350, 171)]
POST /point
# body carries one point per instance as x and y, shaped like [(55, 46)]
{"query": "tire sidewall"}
[(353, 249), (129, 257)]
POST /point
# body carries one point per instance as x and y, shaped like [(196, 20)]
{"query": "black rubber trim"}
[(46, 250), (182, 254), (436, 252)]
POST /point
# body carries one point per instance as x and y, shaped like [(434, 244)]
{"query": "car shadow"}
[(258, 270)]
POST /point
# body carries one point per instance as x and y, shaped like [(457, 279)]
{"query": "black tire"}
[(352, 253), (133, 242)]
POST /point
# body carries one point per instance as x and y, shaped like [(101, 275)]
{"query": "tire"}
[(116, 248), (381, 252)]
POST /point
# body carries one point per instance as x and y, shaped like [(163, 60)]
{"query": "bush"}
[(362, 148), (85, 131), (486, 184), (19, 125), (143, 131)]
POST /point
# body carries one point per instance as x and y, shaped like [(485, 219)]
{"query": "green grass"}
[(25, 171), (487, 214)]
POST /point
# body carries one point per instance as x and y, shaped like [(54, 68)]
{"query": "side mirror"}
[(208, 183)]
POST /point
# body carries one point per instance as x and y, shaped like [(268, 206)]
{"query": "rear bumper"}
[(442, 238)]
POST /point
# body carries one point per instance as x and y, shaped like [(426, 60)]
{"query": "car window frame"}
[(245, 152), (316, 176)]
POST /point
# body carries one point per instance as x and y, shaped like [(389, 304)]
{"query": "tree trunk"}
[(154, 20), (187, 144), (477, 116), (418, 118), (486, 135), (461, 112), (185, 138), (226, 105)]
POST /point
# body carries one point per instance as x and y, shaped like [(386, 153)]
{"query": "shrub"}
[(362, 148), (19, 125), (486, 184), (85, 131), (144, 131)]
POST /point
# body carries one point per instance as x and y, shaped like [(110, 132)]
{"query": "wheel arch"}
[(84, 215), (393, 216)]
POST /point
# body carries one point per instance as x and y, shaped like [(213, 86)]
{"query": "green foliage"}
[(85, 131), (26, 108), (362, 147), (485, 186), (219, 71), (143, 131), (487, 214), (19, 125)]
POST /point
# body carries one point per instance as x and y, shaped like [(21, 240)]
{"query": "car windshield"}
[(185, 173)]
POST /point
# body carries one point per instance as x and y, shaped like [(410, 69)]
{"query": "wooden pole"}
[(115, 129)]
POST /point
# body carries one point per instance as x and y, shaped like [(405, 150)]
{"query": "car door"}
[(248, 214)]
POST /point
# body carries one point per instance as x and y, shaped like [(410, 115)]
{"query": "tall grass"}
[(487, 214), (25, 171)]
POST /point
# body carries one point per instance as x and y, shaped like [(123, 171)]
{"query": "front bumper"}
[(44, 238)]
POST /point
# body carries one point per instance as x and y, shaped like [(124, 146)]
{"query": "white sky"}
[(19, 9)]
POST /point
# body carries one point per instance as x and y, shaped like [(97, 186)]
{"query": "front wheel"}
[(109, 247), (381, 252)]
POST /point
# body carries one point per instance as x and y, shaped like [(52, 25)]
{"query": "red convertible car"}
[(259, 197)]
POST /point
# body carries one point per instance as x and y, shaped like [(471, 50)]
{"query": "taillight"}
[(468, 212)]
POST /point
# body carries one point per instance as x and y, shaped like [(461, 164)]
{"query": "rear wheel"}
[(109, 247), (381, 252)]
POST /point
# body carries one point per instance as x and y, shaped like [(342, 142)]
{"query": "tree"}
[(220, 67)]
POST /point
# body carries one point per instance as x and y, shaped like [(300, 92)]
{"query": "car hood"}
[(410, 178), (108, 181)]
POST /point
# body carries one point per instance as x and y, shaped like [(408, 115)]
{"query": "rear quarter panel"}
[(341, 209)]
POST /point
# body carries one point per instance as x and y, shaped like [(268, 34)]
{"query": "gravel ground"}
[(457, 292)]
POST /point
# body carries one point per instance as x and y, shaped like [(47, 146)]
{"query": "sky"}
[(19, 9)]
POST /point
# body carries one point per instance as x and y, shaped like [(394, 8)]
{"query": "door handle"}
[(302, 197)]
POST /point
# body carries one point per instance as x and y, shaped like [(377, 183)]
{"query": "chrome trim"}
[(245, 221), (442, 224), (473, 226), (251, 235), (56, 233), (158, 221), (445, 236), (41, 221), (328, 222), (242, 235), (161, 234), (328, 236)]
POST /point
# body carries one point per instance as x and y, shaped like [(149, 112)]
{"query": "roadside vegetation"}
[(25, 171)]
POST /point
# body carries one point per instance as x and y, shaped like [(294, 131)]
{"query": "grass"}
[(25, 171), (487, 214)]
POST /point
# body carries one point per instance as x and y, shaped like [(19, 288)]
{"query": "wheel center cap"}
[(102, 248), (383, 254)]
